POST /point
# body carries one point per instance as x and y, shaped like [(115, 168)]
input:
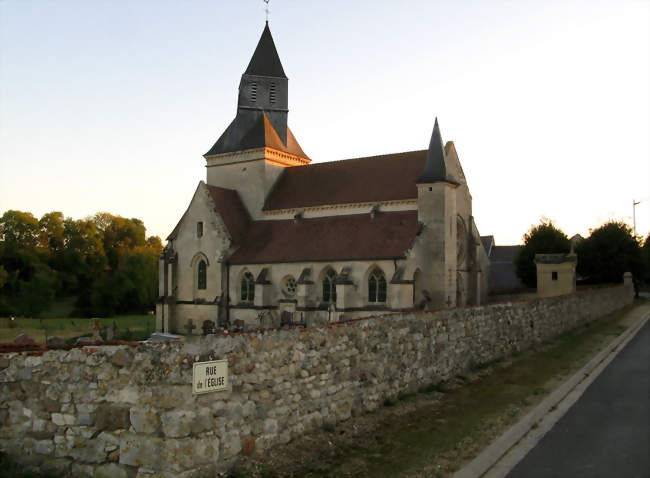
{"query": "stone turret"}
[(437, 213)]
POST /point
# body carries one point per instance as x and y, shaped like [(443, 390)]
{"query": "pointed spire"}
[(435, 169), (265, 60)]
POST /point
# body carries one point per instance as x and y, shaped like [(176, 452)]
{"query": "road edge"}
[(503, 454)]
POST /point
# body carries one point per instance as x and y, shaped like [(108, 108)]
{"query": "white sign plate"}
[(210, 376)]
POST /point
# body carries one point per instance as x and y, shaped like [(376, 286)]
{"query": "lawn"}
[(129, 327)]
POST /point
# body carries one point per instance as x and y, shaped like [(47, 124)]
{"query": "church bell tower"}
[(264, 87), (259, 135)]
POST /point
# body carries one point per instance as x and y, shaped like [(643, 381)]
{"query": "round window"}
[(289, 286)]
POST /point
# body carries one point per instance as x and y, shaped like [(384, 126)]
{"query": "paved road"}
[(605, 433)]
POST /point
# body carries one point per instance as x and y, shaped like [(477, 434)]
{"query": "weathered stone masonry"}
[(124, 411)]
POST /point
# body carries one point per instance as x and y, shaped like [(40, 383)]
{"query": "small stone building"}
[(556, 274), (270, 238)]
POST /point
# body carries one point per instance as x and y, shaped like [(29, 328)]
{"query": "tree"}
[(83, 258), (545, 238), (106, 261), (51, 227), (19, 228), (29, 284), (120, 235), (609, 252)]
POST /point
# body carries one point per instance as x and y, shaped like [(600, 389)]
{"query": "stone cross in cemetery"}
[(189, 326)]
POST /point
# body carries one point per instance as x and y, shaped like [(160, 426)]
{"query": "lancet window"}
[(329, 286), (377, 287), (247, 287), (202, 280)]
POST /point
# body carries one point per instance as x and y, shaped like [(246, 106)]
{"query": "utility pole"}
[(634, 204)]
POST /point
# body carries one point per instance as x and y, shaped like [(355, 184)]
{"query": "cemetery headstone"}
[(23, 339), (56, 341), (189, 326), (95, 327), (208, 327)]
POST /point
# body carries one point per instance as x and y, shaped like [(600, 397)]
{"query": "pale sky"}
[(110, 105)]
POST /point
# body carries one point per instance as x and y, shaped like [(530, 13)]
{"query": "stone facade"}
[(417, 203), (125, 411)]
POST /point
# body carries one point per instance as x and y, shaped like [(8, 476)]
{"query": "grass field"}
[(129, 327)]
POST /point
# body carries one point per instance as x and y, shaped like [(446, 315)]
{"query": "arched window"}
[(377, 287), (329, 286), (202, 278), (247, 287)]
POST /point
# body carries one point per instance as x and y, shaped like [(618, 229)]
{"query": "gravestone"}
[(56, 341), (95, 327), (189, 326), (208, 327), (110, 333), (23, 339), (286, 318)]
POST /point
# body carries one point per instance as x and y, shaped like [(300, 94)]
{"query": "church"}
[(270, 239)]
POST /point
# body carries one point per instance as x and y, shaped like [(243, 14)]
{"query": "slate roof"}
[(242, 134), (362, 180), (503, 277), (435, 168), (504, 253), (335, 238), (557, 258), (488, 243), (265, 60)]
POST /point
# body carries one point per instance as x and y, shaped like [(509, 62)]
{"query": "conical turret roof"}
[(435, 169), (265, 60)]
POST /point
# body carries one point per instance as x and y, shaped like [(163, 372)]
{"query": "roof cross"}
[(266, 9)]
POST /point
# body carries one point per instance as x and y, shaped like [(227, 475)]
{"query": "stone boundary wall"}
[(120, 411)]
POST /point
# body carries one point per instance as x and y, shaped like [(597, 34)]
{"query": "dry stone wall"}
[(120, 411)]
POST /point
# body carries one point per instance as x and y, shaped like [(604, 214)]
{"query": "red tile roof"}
[(354, 237), (231, 209), (233, 212), (362, 180)]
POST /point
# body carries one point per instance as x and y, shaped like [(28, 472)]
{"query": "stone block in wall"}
[(231, 443), (176, 455), (51, 405), (88, 451), (110, 470), (144, 420), (111, 417), (122, 358), (79, 470), (177, 423), (44, 447), (141, 451), (56, 466), (166, 396)]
